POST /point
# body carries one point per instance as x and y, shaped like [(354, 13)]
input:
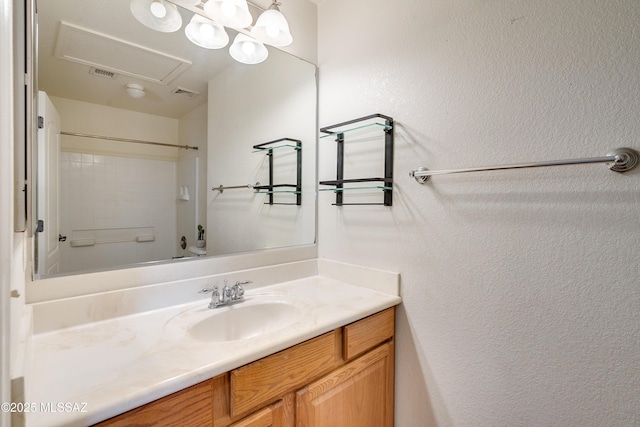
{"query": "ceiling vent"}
[(185, 93), (103, 73)]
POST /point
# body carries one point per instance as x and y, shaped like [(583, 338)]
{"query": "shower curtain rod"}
[(620, 159), (136, 141)]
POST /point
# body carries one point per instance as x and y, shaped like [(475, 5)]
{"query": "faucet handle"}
[(215, 295), (238, 290)]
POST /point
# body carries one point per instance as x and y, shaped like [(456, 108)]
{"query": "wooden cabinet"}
[(343, 378), (367, 333), (359, 394), (257, 383), (190, 407), (279, 414)]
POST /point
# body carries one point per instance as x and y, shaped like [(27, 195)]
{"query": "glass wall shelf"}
[(279, 191), (270, 189), (386, 183), (375, 124), (347, 181), (277, 147), (371, 187)]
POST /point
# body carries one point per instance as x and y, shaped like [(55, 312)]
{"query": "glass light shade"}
[(230, 13), (206, 33), (135, 91), (159, 15), (272, 28), (247, 50)]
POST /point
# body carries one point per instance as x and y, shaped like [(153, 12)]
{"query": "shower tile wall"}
[(108, 192)]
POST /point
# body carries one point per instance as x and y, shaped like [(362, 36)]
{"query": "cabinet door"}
[(191, 407), (280, 414), (359, 394)]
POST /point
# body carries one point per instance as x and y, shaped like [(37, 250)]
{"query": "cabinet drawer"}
[(263, 381), (191, 407), (367, 333)]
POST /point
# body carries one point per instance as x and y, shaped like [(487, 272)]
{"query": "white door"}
[(48, 247)]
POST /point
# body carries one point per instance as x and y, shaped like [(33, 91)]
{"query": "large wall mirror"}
[(153, 149)]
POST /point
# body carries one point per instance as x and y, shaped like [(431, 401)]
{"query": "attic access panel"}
[(94, 49)]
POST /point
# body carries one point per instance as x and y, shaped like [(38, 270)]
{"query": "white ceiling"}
[(63, 78)]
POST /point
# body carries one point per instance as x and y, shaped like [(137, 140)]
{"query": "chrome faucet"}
[(228, 295), (225, 296)]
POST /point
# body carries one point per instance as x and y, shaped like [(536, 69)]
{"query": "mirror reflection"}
[(144, 134)]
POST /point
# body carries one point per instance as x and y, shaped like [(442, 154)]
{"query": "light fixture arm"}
[(275, 5), (200, 11)]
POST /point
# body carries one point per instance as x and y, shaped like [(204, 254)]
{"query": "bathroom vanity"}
[(341, 378), (317, 350)]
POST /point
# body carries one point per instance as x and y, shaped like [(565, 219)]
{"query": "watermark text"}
[(48, 407)]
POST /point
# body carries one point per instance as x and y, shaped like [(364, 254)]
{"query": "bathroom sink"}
[(259, 315)]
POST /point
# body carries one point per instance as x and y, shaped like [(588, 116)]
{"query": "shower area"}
[(122, 201)]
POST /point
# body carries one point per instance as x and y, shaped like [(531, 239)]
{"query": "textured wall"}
[(521, 290)]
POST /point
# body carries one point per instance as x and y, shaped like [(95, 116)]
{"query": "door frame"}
[(6, 197)]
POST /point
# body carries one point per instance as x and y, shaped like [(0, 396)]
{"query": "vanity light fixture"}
[(135, 91), (248, 50), (230, 13), (159, 15), (272, 27), (206, 33)]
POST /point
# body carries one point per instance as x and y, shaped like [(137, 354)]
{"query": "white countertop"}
[(101, 369)]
